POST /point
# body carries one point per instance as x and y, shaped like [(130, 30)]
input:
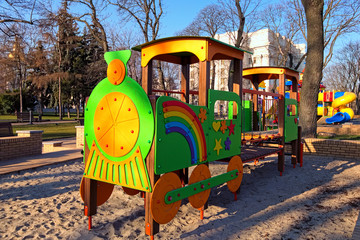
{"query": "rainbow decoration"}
[(183, 111), (183, 130)]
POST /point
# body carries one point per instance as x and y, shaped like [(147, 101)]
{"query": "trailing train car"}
[(146, 143)]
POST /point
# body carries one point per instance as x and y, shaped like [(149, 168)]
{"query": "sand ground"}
[(321, 200)]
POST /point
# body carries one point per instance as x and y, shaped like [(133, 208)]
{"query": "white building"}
[(269, 49)]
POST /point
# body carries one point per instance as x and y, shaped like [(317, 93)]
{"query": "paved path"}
[(67, 152)]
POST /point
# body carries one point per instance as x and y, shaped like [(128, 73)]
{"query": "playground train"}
[(146, 143)]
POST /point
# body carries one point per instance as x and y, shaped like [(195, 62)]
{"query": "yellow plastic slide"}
[(341, 102), (345, 114)]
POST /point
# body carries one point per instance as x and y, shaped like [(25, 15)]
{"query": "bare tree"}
[(344, 73), (339, 16), (17, 11), (283, 34), (40, 74), (171, 73), (16, 60), (59, 29), (209, 21), (314, 64), (147, 15), (7, 73), (21, 37), (240, 15), (92, 21), (125, 40)]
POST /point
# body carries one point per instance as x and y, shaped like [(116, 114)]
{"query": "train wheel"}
[(130, 191), (162, 212), (103, 191), (201, 172), (235, 163)]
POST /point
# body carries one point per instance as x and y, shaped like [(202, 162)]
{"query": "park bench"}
[(25, 117), (80, 121), (6, 129), (50, 146)]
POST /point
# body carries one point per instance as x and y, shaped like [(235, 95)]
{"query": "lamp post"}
[(16, 56)]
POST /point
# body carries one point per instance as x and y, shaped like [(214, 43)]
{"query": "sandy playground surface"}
[(318, 201)]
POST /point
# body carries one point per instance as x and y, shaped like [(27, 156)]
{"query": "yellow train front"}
[(146, 143)]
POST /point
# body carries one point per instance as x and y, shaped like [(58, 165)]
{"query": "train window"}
[(225, 110), (291, 110), (194, 83), (194, 99)]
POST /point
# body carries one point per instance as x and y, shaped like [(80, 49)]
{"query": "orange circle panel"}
[(162, 212), (116, 124), (116, 71), (201, 172), (235, 163), (103, 191), (130, 191)]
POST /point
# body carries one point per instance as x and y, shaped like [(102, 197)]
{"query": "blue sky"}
[(179, 14)]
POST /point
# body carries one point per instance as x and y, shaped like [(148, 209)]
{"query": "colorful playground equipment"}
[(146, 143), (334, 105)]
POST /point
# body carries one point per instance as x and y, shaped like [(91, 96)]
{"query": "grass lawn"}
[(341, 137), (7, 118), (12, 118), (64, 130), (51, 131)]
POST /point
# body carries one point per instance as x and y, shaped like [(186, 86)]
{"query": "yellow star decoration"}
[(202, 115), (217, 145)]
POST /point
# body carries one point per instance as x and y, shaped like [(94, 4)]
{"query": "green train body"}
[(184, 135), (131, 139)]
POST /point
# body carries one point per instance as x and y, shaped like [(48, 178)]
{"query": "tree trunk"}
[(68, 110), (41, 107), (83, 102), (161, 75), (60, 103), (213, 74), (21, 96), (239, 39), (314, 64), (231, 76), (77, 110), (300, 61), (21, 84)]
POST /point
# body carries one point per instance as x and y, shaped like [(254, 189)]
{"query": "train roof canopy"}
[(174, 49), (265, 73)]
